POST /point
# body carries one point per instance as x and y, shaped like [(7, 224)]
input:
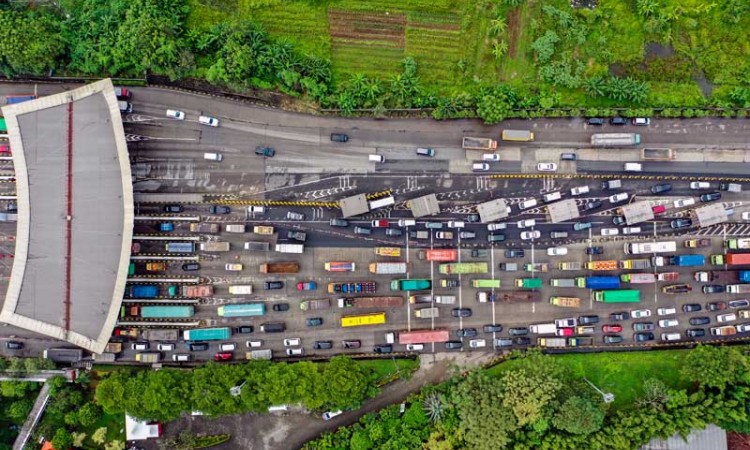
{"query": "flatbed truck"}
[(370, 302), (279, 267), (475, 143), (567, 302)]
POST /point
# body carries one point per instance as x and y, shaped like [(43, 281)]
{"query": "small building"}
[(563, 211), (493, 210), (354, 206), (424, 206), (136, 430), (709, 438), (636, 212), (708, 215)]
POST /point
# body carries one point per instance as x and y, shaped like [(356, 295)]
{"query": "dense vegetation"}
[(460, 58), (542, 402)]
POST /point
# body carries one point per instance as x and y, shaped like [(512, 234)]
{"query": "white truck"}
[(427, 313), (236, 228), (388, 268), (290, 248), (543, 328)]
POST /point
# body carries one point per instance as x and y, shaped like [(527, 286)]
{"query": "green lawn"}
[(385, 368)]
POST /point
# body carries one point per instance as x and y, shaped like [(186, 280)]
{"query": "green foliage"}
[(578, 415), (715, 367), (528, 393), (99, 436), (30, 42), (495, 104), (62, 439), (19, 410)]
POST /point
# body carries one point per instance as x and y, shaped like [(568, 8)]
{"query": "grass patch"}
[(386, 368)]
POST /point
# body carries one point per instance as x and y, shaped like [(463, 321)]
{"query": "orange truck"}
[(602, 265)]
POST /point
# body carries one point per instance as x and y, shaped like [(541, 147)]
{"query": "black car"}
[(244, 329), (518, 331), (612, 339), (453, 345), (695, 332), (642, 337), (680, 223), (265, 151), (14, 345), (713, 289), (314, 321), (691, 307), (340, 137), (595, 121), (592, 205), (503, 342), (197, 346), (594, 250), (323, 345), (467, 332), (618, 121), (522, 341), (279, 307), (393, 232), (588, 320), (461, 312), (351, 344), (383, 348), (172, 208), (618, 220), (492, 328), (619, 316), (188, 267), (661, 188), (696, 321), (268, 285), (515, 253), (644, 326), (739, 303), (219, 209), (710, 197)]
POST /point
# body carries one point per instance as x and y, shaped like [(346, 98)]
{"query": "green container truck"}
[(529, 283), (411, 285), (207, 334)]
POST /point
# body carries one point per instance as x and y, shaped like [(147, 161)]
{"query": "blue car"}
[(166, 226)]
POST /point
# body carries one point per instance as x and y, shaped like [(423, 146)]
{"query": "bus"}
[(363, 319), (382, 202), (242, 310), (650, 247), (485, 283), (456, 268), (618, 296)]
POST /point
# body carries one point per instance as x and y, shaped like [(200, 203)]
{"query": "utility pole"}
[(608, 397)]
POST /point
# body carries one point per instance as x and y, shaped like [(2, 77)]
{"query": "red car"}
[(616, 328), (565, 332), (223, 356), (307, 286), (659, 209), (5, 149), (380, 223)]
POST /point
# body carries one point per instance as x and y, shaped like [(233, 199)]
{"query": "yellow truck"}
[(259, 229)]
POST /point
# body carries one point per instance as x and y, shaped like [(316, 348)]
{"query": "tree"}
[(348, 384), (499, 49), (99, 436), (111, 391), (715, 367), (19, 410), (578, 415), (497, 26), (78, 439), (655, 395), (88, 414), (62, 439), (433, 406), (495, 104), (115, 445)]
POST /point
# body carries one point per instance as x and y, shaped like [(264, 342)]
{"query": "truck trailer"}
[(279, 267), (148, 357), (314, 304), (364, 287), (143, 291), (598, 282), (615, 139), (180, 247), (158, 312), (207, 334), (658, 154), (552, 342), (439, 255), (411, 285), (423, 336), (602, 265), (518, 135), (340, 266), (370, 302), (474, 143), (242, 310), (209, 228), (290, 248), (198, 290), (160, 334), (567, 302), (688, 260), (388, 267), (214, 246)]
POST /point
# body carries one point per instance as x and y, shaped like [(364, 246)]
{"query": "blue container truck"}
[(745, 276), (598, 282), (144, 291), (242, 310), (207, 334), (180, 247), (688, 260)]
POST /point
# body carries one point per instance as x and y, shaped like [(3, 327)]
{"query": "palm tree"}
[(500, 49), (433, 406), (497, 26)]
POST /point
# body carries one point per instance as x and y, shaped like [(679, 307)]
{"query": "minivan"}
[(580, 190), (376, 158), (526, 204), (339, 137), (213, 156), (551, 197), (362, 230), (480, 167), (425, 151)]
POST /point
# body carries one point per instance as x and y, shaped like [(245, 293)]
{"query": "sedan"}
[(467, 235), (383, 348), (642, 337), (716, 306), (592, 205), (526, 223), (546, 167), (713, 196), (281, 307), (612, 328), (191, 267), (265, 151), (594, 250), (700, 185), (557, 251), (467, 332), (453, 345), (588, 320), (713, 289), (619, 316), (172, 208), (496, 237), (243, 329), (268, 285), (461, 312), (695, 332), (528, 235), (676, 224), (352, 344), (219, 209), (644, 326), (640, 313), (668, 323), (618, 220), (492, 328), (610, 231), (328, 415), (661, 188), (314, 321), (380, 223), (739, 303), (223, 356), (307, 286), (691, 307), (514, 253), (696, 321), (518, 331), (393, 232), (613, 339), (522, 341), (323, 345)]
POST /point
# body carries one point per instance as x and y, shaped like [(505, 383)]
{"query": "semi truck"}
[(388, 267), (528, 283), (427, 313), (602, 265), (210, 228), (148, 357), (439, 255), (474, 143), (319, 303), (290, 248), (63, 355), (615, 139), (158, 312), (688, 260), (180, 247), (598, 282), (570, 265), (552, 342), (738, 288), (207, 334), (737, 244), (731, 259), (463, 268), (370, 302), (388, 251), (567, 302), (563, 282), (160, 334), (279, 267), (635, 264), (242, 310), (658, 154), (143, 291), (638, 278), (410, 285), (340, 266), (365, 287), (423, 336), (259, 246), (543, 328), (198, 290), (215, 246)]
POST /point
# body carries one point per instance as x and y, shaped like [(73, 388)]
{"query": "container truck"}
[(563, 282), (543, 328), (427, 313), (180, 247), (290, 248), (474, 143), (265, 230), (737, 244), (445, 299), (518, 135), (370, 302), (570, 265), (688, 260), (580, 341), (148, 357), (423, 336), (199, 290), (210, 228), (567, 302), (215, 246), (279, 267), (464, 268), (738, 288), (615, 139), (207, 334), (259, 246), (536, 267), (160, 334), (602, 265), (156, 267), (440, 255), (143, 291), (388, 267), (158, 312), (598, 282), (340, 266), (552, 342), (234, 228), (63, 355), (319, 303), (410, 285), (668, 276), (528, 283), (657, 154), (635, 264), (264, 354), (365, 287), (241, 289), (242, 310), (638, 278), (732, 259), (388, 251)]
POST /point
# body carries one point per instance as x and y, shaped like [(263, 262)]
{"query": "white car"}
[(746, 215), (700, 185), (328, 415), (557, 251), (165, 347), (456, 224), (610, 231), (666, 311), (480, 167), (477, 343), (414, 347), (642, 121), (174, 114), (566, 323), (683, 202), (546, 167), (526, 204), (743, 328), (640, 313), (294, 351), (491, 157), (292, 342), (526, 223), (722, 318), (254, 344), (256, 209), (527, 235), (580, 190), (631, 230), (496, 226), (208, 120), (618, 198), (668, 323)]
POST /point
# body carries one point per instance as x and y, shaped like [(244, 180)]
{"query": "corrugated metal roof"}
[(710, 438)]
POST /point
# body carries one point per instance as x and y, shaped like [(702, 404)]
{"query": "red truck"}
[(279, 267), (423, 336), (443, 255)]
